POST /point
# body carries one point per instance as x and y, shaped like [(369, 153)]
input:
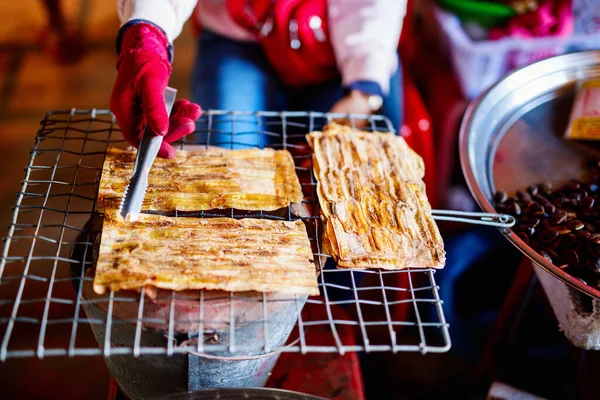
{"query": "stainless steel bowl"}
[(511, 137)]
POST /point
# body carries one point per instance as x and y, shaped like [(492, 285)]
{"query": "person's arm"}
[(364, 36), (144, 44), (168, 15)]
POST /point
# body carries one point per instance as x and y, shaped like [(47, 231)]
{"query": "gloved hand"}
[(181, 124), (138, 95)]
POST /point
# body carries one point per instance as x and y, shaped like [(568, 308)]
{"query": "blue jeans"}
[(232, 75)]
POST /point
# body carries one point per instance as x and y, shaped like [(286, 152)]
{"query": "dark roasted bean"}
[(545, 187), (573, 185), (550, 208), (514, 209), (594, 265), (524, 197), (559, 202), (571, 257), (532, 190), (594, 250), (540, 198), (522, 227), (582, 234), (500, 197), (501, 209), (587, 203), (575, 225), (548, 235), (590, 227), (554, 244), (574, 202), (570, 240), (546, 224), (562, 230), (558, 217), (585, 217), (533, 206), (534, 222), (594, 238)]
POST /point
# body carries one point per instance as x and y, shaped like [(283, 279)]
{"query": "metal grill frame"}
[(98, 127)]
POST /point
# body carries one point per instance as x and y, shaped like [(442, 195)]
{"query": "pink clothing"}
[(364, 33), (552, 18)]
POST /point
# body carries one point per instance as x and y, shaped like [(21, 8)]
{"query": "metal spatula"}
[(131, 205)]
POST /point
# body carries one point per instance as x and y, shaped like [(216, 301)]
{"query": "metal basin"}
[(511, 137)]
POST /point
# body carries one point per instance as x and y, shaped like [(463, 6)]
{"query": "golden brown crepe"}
[(205, 253), (373, 201), (199, 180)]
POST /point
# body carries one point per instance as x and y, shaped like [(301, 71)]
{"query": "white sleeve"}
[(364, 36), (169, 15)]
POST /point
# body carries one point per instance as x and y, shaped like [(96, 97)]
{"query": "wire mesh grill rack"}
[(46, 270)]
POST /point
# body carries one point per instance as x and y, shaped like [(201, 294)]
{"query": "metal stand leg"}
[(586, 384), (505, 328)]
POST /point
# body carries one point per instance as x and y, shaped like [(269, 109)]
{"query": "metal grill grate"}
[(45, 279)]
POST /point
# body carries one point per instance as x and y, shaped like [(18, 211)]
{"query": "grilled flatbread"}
[(208, 179), (213, 253), (373, 201)]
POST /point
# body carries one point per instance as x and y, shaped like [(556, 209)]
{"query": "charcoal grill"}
[(44, 271)]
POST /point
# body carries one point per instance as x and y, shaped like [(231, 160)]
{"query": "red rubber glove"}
[(138, 95)]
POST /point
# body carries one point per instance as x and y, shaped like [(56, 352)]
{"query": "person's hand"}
[(138, 95), (181, 124), (354, 103)]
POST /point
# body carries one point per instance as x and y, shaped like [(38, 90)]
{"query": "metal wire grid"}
[(44, 302)]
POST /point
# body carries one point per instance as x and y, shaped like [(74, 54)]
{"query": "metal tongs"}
[(131, 205)]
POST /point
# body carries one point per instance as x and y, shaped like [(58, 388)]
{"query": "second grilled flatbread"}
[(197, 253), (373, 201)]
